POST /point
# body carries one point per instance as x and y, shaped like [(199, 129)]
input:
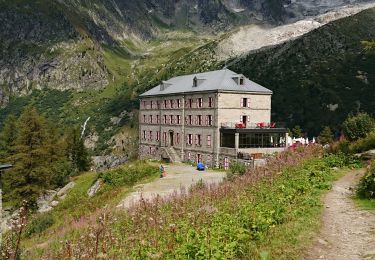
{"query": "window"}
[(165, 104), (190, 119), (200, 102), (199, 158), (210, 102), (144, 118), (171, 119), (164, 137), (165, 119), (150, 119), (208, 140), (144, 135), (157, 136), (144, 104), (198, 140), (150, 150), (190, 103), (209, 120), (189, 156), (199, 120), (152, 104), (171, 102), (157, 119), (178, 138), (189, 139), (245, 102), (178, 119), (178, 103), (150, 136), (242, 81)]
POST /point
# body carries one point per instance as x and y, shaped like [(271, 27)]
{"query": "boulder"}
[(54, 203), (45, 199), (369, 155), (63, 191), (94, 188)]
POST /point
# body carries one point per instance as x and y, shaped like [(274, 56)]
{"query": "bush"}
[(366, 187), (363, 144), (358, 126), (129, 174), (236, 169), (39, 224), (341, 147)]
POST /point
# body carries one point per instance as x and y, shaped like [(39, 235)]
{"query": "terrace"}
[(249, 142)]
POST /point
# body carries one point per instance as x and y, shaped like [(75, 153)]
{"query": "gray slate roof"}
[(218, 80)]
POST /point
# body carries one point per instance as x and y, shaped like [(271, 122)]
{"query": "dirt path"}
[(178, 176), (348, 232)]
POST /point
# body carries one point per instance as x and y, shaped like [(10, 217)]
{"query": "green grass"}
[(241, 219), (368, 204), (77, 209)]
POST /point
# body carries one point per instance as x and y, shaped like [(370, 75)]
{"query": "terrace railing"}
[(260, 125)]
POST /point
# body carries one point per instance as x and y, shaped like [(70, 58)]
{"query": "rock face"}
[(58, 44), (101, 163)]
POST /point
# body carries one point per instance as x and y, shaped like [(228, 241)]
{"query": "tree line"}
[(43, 156)]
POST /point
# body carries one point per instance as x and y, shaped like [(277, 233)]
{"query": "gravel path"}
[(178, 176), (348, 232)]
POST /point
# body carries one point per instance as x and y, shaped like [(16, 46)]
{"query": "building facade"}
[(213, 117)]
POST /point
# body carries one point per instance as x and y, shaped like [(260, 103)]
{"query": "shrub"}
[(366, 187), (129, 174), (363, 144), (358, 126), (39, 224), (341, 147), (236, 169)]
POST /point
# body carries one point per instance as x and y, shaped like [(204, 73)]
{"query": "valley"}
[(95, 70)]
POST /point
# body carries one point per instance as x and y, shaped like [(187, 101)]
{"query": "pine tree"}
[(8, 136), (77, 151), (297, 131), (325, 136), (35, 152)]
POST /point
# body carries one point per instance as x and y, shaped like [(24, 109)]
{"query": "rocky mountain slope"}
[(76, 59), (65, 44), (319, 78)]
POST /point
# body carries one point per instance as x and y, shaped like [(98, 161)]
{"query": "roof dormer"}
[(240, 80), (164, 85), (197, 81)]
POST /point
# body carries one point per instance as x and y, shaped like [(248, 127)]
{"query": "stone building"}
[(214, 117)]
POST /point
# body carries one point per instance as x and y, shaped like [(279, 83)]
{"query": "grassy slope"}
[(277, 216), (326, 66), (77, 210)]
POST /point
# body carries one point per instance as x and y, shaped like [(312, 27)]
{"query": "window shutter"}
[(241, 119), (248, 119), (241, 102), (206, 120), (248, 102)]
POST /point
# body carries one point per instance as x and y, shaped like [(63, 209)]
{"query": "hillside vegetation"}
[(256, 214), (321, 77)]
